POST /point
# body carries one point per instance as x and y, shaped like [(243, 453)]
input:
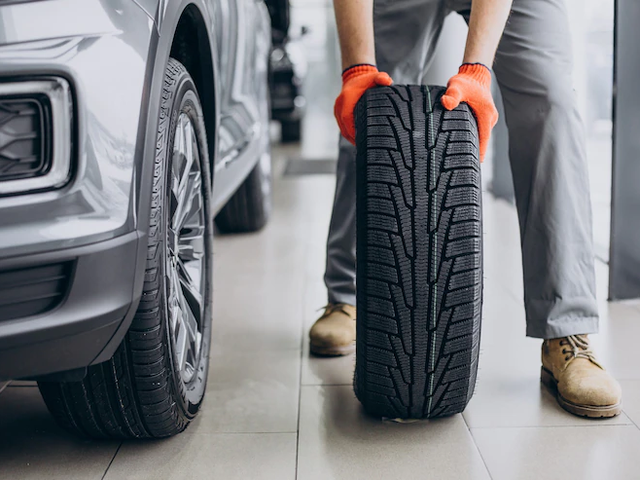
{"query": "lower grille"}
[(32, 291), (24, 141)]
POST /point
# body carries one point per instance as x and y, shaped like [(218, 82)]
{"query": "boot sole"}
[(338, 351), (590, 411)]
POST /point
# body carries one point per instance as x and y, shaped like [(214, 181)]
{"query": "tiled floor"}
[(273, 412)]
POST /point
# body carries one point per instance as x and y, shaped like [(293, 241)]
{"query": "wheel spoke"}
[(191, 244), (176, 314), (190, 290), (189, 199), (190, 328), (181, 347)]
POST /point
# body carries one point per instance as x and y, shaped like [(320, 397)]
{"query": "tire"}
[(248, 210), (419, 250), (291, 131), (144, 391)]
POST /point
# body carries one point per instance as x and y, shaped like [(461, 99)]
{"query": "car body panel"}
[(113, 53), (96, 205)]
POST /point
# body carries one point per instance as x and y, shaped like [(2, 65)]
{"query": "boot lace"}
[(577, 346)]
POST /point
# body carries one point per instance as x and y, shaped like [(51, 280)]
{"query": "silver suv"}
[(127, 128)]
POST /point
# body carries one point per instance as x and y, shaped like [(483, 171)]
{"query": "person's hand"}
[(355, 81), (472, 85)]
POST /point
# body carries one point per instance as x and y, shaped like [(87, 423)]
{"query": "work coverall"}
[(533, 67)]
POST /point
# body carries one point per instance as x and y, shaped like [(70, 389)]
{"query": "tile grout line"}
[(484, 462), (213, 434), (302, 338), (510, 427), (111, 462), (630, 419), (327, 385)]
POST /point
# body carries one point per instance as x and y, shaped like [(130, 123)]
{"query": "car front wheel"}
[(155, 383)]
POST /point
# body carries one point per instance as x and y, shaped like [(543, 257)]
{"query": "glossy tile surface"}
[(339, 441), (32, 446), (631, 400), (587, 453), (252, 393), (221, 456)]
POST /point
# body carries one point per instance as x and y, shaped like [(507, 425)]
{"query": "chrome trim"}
[(59, 94)]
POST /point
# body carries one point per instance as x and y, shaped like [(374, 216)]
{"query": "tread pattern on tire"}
[(419, 250), (131, 396)]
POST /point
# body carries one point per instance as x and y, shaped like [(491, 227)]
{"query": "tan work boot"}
[(334, 333), (583, 387)]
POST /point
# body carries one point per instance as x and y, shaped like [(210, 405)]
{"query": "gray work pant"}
[(546, 149)]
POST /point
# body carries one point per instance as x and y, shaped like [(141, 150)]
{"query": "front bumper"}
[(88, 325), (101, 50)]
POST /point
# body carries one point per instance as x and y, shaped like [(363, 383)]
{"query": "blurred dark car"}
[(288, 69)]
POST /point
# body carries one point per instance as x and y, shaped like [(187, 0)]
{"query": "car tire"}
[(248, 210), (419, 250), (291, 131), (155, 383)]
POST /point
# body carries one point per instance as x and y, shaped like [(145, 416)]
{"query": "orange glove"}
[(472, 85), (355, 81)]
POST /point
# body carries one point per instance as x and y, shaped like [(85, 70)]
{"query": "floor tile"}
[(32, 446), (251, 393), (257, 312), (559, 453), (280, 247), (505, 351), (201, 456), (338, 441), (631, 399), (616, 343), (270, 251), (502, 255), (326, 370)]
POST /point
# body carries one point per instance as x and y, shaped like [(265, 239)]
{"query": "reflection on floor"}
[(273, 412)]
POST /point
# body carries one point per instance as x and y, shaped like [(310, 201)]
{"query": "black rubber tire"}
[(419, 250), (291, 131), (139, 392), (248, 210)]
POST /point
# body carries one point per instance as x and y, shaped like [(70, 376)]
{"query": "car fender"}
[(166, 18)]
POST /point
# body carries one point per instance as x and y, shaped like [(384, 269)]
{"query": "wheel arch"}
[(191, 46)]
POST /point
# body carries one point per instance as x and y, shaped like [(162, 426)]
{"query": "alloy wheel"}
[(185, 260)]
